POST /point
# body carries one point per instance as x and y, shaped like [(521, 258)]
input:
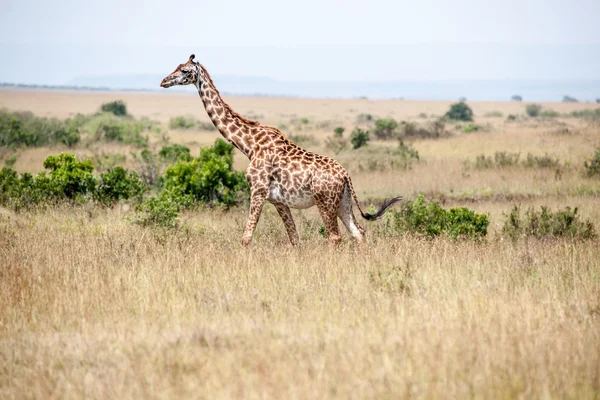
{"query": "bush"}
[(10, 161), (470, 128), (112, 129), (359, 138), (362, 118), (182, 122), (117, 184), (569, 99), (592, 166), (175, 152), (460, 112), (339, 131), (516, 97), (430, 219), (162, 210), (117, 108), (25, 129), (592, 114), (70, 178), (511, 117), (385, 128), (549, 114), (407, 151), (546, 224), (533, 110), (210, 177)]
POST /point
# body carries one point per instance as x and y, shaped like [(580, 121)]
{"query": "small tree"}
[(117, 107), (338, 132), (359, 138), (385, 128), (516, 97), (460, 112), (533, 110), (569, 99)]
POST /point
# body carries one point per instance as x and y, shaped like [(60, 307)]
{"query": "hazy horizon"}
[(316, 41)]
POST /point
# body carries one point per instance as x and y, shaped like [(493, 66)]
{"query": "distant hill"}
[(482, 90)]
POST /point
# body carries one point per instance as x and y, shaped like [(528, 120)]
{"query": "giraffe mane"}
[(227, 107)]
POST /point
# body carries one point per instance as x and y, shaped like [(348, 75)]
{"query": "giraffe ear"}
[(192, 58)]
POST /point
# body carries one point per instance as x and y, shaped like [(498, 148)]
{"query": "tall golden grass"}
[(94, 306)]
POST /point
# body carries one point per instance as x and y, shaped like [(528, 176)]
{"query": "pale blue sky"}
[(52, 42)]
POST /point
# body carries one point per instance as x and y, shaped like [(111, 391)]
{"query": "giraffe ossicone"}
[(280, 172)]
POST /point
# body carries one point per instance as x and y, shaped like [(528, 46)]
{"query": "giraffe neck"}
[(236, 129)]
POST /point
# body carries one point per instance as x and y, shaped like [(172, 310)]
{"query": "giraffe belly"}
[(299, 199)]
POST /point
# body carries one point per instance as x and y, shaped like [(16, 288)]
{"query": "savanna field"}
[(98, 299)]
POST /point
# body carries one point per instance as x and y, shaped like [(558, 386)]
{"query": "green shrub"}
[(69, 177), (533, 110), (304, 120), (10, 161), (175, 152), (117, 184), (25, 129), (182, 122), (359, 138), (407, 151), (546, 224), (592, 166), (162, 210), (117, 108), (470, 128), (339, 131), (511, 117), (460, 112), (112, 129), (549, 114), (590, 114), (362, 118), (210, 177), (516, 97), (430, 219), (385, 128)]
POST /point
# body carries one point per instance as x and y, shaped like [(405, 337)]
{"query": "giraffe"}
[(279, 172)]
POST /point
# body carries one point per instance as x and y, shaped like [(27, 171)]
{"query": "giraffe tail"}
[(382, 209)]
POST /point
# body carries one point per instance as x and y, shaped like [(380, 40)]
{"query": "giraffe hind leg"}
[(347, 216), (328, 212)]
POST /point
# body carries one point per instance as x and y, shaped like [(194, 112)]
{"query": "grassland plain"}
[(94, 306)]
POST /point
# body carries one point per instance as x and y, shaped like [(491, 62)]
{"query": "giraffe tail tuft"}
[(372, 217)]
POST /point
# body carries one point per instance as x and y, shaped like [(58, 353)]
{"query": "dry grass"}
[(94, 306)]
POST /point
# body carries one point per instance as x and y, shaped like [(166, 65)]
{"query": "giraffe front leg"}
[(257, 201), (288, 221)]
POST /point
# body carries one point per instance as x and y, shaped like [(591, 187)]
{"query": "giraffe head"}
[(184, 74)]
